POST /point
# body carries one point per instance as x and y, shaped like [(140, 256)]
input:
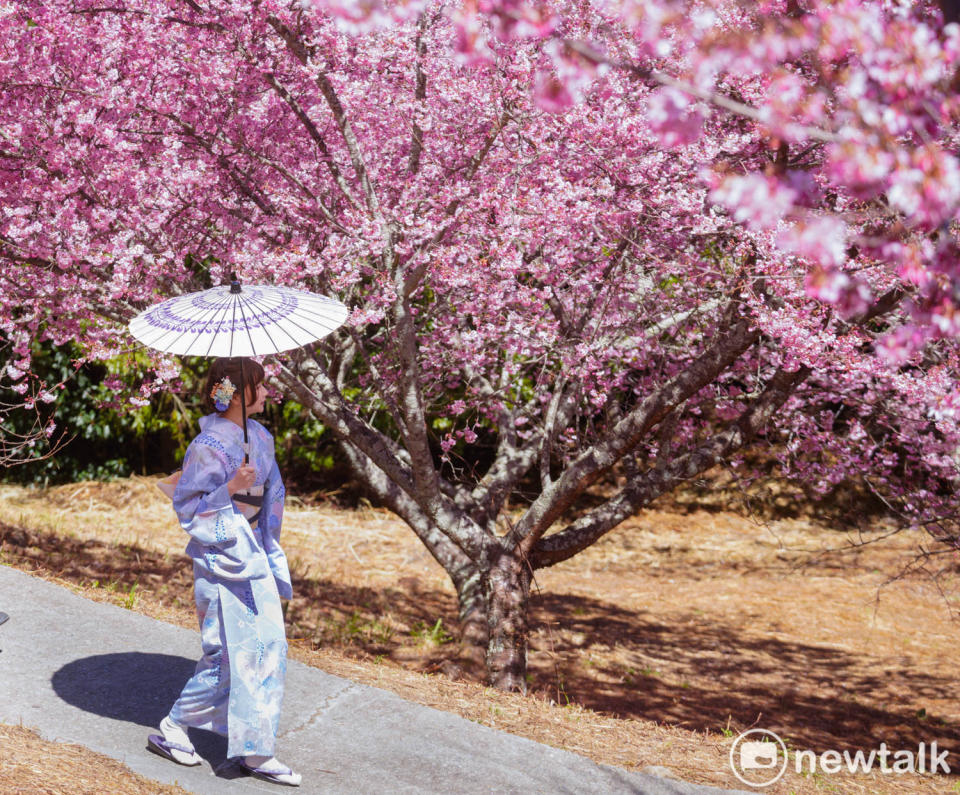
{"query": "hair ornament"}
[(222, 393)]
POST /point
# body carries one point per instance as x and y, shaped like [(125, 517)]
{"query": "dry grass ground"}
[(31, 766), (653, 648)]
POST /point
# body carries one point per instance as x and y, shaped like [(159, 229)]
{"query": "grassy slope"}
[(652, 648)]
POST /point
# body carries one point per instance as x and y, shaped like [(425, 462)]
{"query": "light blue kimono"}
[(240, 574)]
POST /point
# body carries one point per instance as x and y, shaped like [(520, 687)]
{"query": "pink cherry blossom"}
[(546, 217), (674, 117), (755, 200)]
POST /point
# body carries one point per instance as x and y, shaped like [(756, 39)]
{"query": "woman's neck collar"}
[(236, 417)]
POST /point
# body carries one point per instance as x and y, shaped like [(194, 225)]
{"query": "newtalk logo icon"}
[(759, 758)]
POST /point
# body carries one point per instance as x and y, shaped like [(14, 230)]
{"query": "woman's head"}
[(253, 376)]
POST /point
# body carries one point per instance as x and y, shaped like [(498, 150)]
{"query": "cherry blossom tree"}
[(27, 434), (592, 240)]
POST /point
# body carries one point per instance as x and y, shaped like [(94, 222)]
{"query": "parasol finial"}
[(234, 283)]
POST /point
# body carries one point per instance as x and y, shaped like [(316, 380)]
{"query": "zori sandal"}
[(181, 754), (276, 775)]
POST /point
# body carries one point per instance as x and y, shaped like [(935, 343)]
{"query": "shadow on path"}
[(135, 687)]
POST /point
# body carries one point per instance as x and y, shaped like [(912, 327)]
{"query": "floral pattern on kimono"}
[(221, 539), (240, 574)]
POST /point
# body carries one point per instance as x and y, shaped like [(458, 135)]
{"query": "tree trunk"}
[(474, 634), (507, 588)]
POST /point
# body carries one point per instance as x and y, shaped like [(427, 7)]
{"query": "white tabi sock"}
[(270, 764), (175, 733)]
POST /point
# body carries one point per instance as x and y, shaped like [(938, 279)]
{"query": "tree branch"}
[(711, 97), (626, 434), (416, 275), (420, 93), (313, 389), (667, 470), (662, 477), (316, 135), (444, 551), (296, 46), (223, 161)]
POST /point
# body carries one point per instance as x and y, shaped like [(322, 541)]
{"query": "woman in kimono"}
[(240, 575)]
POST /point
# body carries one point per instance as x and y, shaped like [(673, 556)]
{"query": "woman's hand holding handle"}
[(242, 479)]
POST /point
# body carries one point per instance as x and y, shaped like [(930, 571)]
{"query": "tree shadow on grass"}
[(711, 675), (322, 611), (694, 673)]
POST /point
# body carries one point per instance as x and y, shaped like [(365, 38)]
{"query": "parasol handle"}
[(243, 409)]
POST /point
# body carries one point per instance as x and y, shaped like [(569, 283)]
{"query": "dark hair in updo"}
[(253, 375)]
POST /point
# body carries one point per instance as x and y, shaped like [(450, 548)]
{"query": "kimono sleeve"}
[(270, 522), (201, 494), (275, 492)]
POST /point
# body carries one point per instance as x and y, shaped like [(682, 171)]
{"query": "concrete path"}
[(96, 674)]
